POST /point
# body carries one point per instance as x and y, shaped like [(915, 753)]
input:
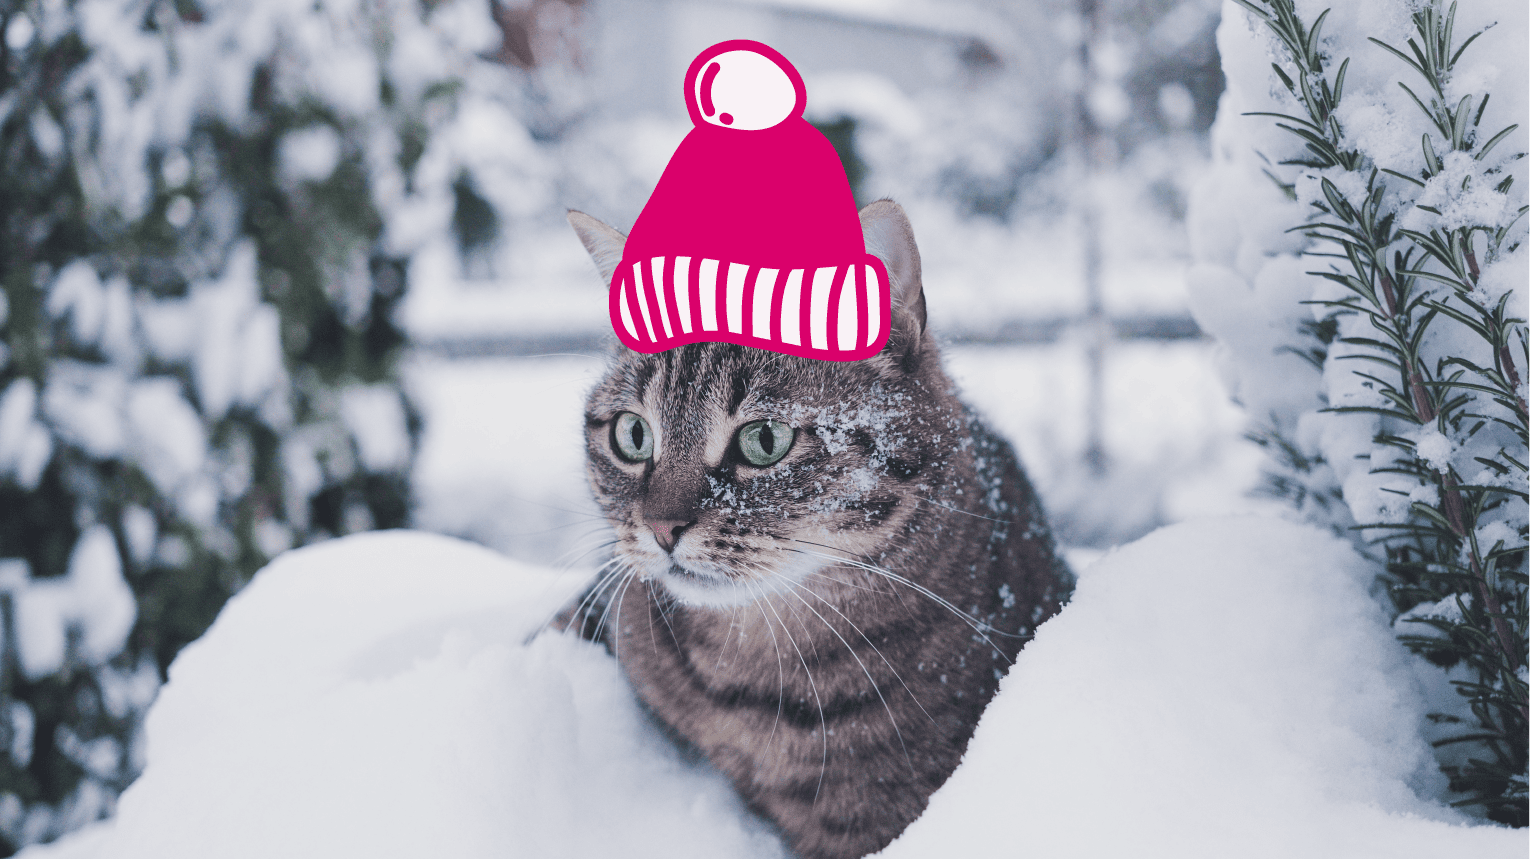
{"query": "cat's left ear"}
[(891, 239), (605, 243)]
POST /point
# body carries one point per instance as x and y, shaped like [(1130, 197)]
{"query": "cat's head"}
[(730, 472)]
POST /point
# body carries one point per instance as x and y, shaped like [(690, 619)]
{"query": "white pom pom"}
[(745, 90)]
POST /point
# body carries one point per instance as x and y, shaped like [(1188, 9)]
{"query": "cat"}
[(821, 569)]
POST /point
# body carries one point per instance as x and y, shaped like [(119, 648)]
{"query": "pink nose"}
[(667, 531)]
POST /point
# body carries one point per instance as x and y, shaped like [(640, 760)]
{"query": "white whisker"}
[(623, 573), (603, 574), (935, 503), (890, 717), (567, 560), (780, 668), (873, 647), (621, 595), (982, 629), (812, 684), (658, 601), (727, 637)]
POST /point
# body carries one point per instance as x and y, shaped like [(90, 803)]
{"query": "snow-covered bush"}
[(208, 212), (1361, 257)]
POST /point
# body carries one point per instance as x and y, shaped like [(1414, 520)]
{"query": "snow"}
[(1254, 269), (140, 530), (104, 607), (866, 96), (375, 417), (303, 476), (25, 446), (423, 725), (309, 154), (502, 454), (237, 352), (1172, 441), (19, 32), (1434, 448), (396, 749), (1175, 101), (97, 408), (169, 328), (1462, 196), (175, 168), (1206, 652), (1249, 278), (77, 292), (1220, 687), (171, 441), (180, 211), (23, 727), (85, 614), (84, 403)]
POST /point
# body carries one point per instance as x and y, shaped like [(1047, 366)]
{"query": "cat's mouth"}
[(691, 575), (703, 587), (696, 578), (706, 587)]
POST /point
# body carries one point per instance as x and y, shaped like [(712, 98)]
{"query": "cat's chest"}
[(717, 657), (791, 657)]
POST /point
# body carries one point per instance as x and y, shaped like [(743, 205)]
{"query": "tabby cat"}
[(822, 569)]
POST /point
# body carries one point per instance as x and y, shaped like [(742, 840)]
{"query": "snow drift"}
[(1219, 688)]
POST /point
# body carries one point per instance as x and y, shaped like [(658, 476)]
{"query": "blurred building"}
[(641, 48)]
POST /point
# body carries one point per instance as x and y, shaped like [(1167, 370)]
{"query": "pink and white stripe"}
[(834, 312)]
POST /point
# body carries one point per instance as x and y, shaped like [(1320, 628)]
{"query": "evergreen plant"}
[(1435, 359), (198, 352)]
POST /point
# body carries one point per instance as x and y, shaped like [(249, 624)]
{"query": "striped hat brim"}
[(833, 313)]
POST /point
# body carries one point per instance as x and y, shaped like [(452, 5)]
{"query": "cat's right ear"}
[(605, 243), (890, 238)]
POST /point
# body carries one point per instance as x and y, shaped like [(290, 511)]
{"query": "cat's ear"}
[(604, 243), (891, 239)]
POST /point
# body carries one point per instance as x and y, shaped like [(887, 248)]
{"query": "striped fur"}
[(828, 629)]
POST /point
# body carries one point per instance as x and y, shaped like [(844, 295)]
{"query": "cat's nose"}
[(667, 531)]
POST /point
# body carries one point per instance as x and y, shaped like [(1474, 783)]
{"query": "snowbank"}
[(1219, 688), (1222, 687), (372, 697)]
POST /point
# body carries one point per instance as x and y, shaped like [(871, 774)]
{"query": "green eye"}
[(765, 442), (632, 437)]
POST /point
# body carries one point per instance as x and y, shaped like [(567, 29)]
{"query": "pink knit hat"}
[(751, 236)]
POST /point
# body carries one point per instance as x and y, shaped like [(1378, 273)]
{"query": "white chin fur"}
[(713, 590), (707, 594)]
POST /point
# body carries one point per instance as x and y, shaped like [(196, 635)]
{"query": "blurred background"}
[(276, 271)]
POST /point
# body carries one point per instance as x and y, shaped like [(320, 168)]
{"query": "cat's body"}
[(827, 627)]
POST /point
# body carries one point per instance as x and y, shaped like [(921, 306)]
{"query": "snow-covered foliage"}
[(1361, 256), (211, 210), (1221, 688)]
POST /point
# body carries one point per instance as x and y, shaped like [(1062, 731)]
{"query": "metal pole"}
[(1094, 157)]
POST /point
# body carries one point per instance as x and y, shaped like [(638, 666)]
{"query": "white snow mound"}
[(373, 697), (1219, 688)]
